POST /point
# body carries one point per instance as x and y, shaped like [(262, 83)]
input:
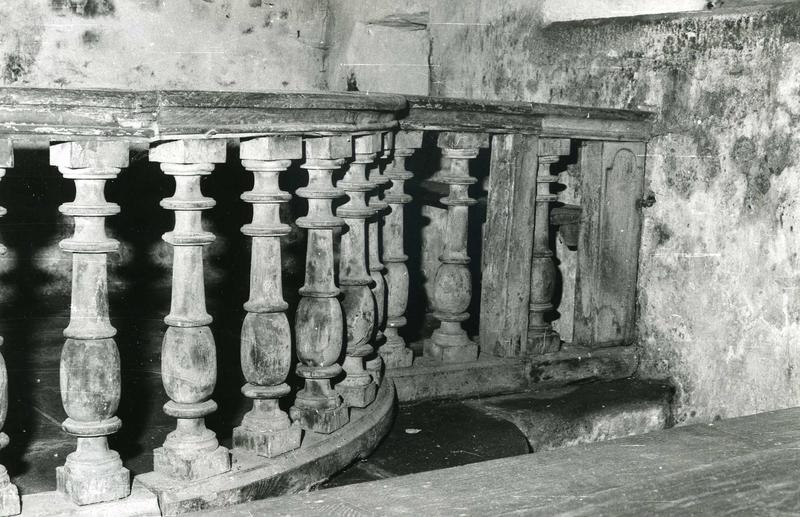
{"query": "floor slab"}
[(728, 467)]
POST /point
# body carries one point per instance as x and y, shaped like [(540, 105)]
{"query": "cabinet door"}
[(612, 181)]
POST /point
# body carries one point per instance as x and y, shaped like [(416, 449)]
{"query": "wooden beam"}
[(508, 245)]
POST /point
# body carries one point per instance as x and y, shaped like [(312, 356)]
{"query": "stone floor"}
[(436, 435), (741, 466)]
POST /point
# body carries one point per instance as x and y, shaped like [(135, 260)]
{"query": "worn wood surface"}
[(358, 301), (452, 285), (573, 364), (41, 113), (429, 379), (542, 339), (90, 375), (254, 477), (319, 322), (266, 340), (552, 120), (507, 245), (612, 178), (490, 375), (744, 466), (188, 353), (394, 351), (154, 115)]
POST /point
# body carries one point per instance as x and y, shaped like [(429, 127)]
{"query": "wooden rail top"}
[(41, 114), (549, 120), (30, 113)]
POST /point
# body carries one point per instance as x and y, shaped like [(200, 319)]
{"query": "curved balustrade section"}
[(353, 333)]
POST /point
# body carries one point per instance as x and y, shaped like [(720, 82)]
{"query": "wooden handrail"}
[(549, 120), (42, 114), (46, 114)]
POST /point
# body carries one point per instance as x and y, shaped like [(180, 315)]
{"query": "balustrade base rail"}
[(252, 477)]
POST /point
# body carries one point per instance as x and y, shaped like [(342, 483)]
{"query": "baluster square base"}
[(399, 357), (358, 396), (267, 443), (9, 499), (543, 341), (374, 366), (464, 352), (322, 420), (191, 467), (93, 487)]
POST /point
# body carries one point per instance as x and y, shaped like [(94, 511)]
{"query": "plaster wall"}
[(174, 44)]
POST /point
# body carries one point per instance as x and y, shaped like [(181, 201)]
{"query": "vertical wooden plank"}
[(508, 245), (608, 252)]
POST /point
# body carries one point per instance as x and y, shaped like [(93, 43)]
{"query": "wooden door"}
[(612, 182)]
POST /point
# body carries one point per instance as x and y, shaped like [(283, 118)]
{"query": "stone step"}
[(440, 434), (583, 414)]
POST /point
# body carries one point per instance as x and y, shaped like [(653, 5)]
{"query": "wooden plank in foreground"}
[(741, 466)]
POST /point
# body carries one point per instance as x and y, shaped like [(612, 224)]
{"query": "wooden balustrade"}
[(345, 332), (395, 353), (376, 268), (374, 363), (188, 354), (9, 495), (93, 473), (266, 342), (453, 282), (358, 303), (319, 323), (542, 339)]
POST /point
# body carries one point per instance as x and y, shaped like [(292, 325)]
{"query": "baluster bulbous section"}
[(542, 338), (453, 281), (319, 323), (90, 363), (394, 352), (188, 354), (266, 340), (377, 270), (358, 303), (9, 495)]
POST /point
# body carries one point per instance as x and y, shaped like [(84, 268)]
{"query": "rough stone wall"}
[(719, 271)]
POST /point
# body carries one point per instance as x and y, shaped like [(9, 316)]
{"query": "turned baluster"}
[(358, 302), (394, 352), (90, 364), (266, 341), (453, 282), (188, 353), (541, 336), (379, 208), (319, 323), (9, 496)]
